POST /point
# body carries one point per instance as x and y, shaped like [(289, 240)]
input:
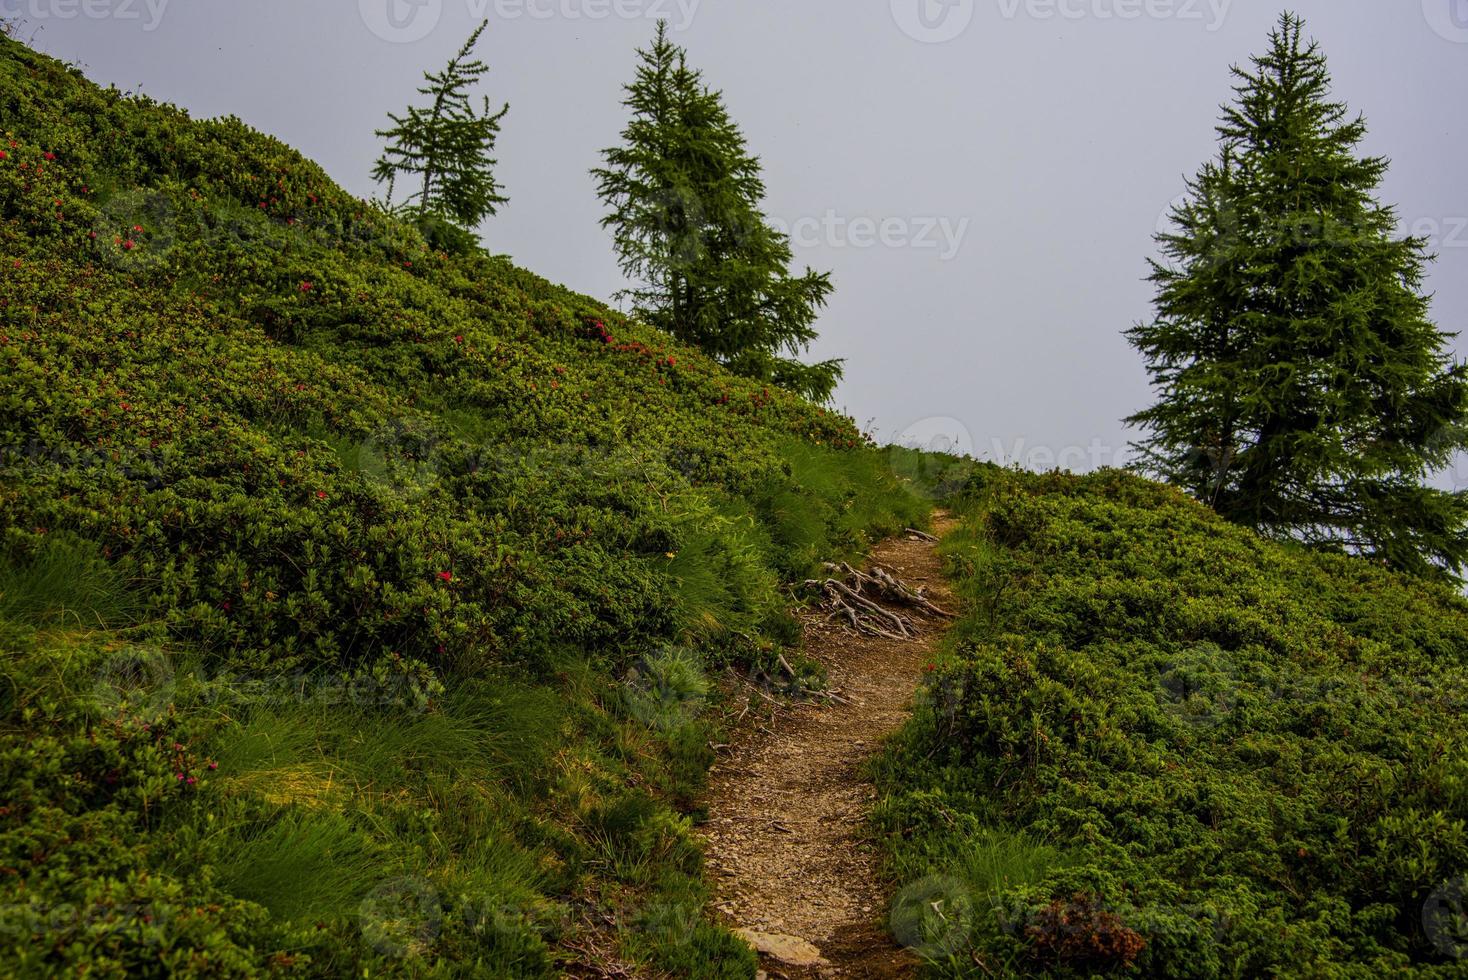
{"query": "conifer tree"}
[(1303, 389), (445, 147), (685, 197)]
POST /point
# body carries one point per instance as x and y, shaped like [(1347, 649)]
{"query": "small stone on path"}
[(790, 950)]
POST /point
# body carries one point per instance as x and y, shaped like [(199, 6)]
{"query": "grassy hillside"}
[(357, 599), (1159, 744)]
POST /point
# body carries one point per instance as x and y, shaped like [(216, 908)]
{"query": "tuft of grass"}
[(302, 865), (721, 573), (64, 582)]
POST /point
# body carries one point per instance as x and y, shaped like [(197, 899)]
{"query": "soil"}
[(788, 848)]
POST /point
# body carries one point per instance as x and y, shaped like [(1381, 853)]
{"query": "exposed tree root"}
[(854, 595)]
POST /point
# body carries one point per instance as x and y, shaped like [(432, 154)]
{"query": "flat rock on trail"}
[(788, 853)]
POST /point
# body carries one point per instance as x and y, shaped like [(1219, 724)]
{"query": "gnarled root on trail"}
[(853, 595)]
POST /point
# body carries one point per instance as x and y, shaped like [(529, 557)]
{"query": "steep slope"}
[(354, 594)]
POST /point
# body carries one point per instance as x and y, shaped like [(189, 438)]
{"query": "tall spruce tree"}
[(685, 197), (1304, 391), (446, 146)]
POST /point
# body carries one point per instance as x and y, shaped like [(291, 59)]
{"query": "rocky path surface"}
[(789, 856)]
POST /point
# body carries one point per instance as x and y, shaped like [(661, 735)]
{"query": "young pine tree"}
[(684, 197), (1304, 391), (445, 149)]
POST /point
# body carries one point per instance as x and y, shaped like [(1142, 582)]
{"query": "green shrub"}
[(1203, 754)]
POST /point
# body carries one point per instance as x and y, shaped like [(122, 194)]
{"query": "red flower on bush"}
[(129, 245), (4, 155), (306, 287), (50, 156), (135, 227), (446, 576), (320, 494)]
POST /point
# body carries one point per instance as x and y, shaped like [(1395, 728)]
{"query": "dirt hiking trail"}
[(789, 857)]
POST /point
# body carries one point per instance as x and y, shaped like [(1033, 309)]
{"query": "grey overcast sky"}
[(982, 176)]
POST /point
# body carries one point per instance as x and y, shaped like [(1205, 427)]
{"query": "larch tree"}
[(685, 198), (445, 148)]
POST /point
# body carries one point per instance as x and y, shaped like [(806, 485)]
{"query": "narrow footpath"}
[(789, 856)]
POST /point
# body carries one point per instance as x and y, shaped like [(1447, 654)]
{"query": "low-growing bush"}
[(1215, 755)]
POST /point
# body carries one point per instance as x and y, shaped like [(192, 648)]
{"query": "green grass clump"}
[(1159, 743)]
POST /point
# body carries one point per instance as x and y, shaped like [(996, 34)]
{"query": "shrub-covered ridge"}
[(324, 556), (1164, 744)]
